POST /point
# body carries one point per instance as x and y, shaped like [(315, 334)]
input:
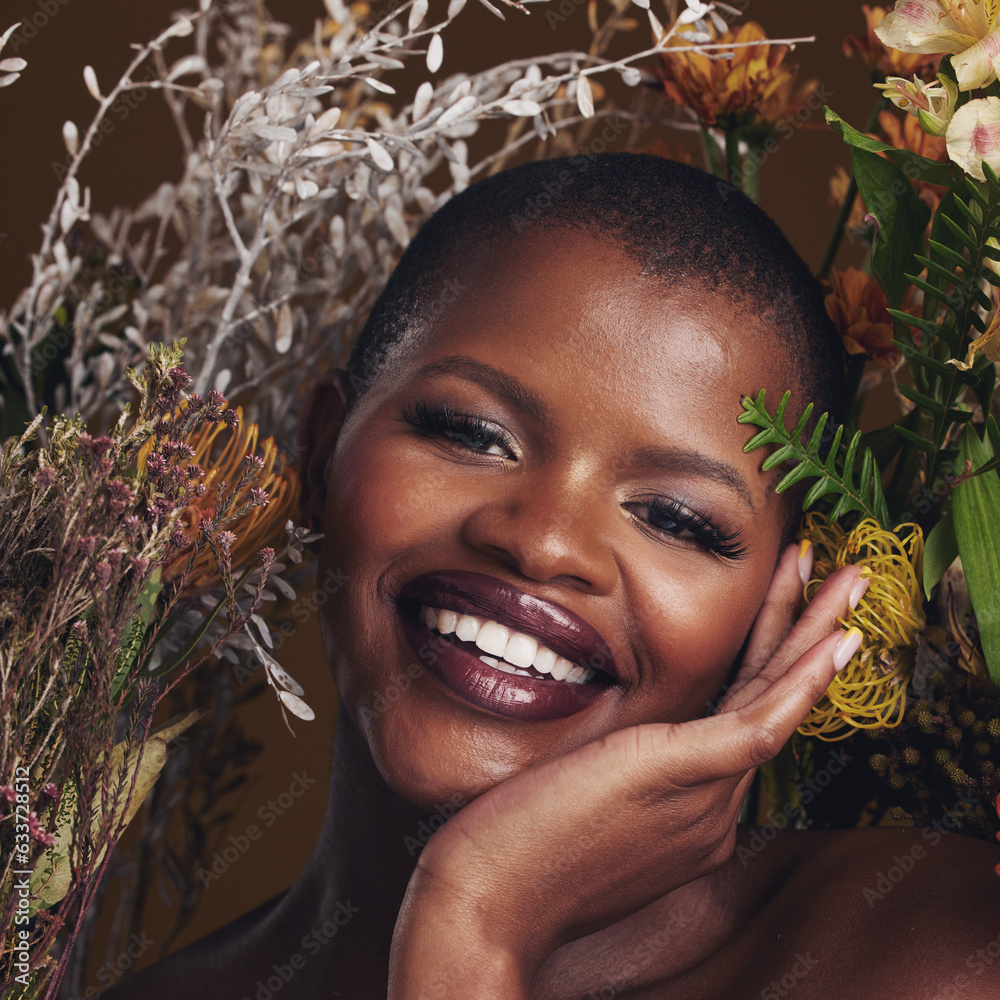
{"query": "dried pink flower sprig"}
[(85, 530)]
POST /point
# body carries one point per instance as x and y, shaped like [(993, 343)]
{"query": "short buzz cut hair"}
[(679, 224)]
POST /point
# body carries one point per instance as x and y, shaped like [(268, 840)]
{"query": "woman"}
[(571, 631)]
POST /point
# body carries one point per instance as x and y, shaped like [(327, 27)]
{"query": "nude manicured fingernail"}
[(805, 561), (858, 591), (846, 648)]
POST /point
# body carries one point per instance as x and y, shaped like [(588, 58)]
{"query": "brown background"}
[(141, 152)]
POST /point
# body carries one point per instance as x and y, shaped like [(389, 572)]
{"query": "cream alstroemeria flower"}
[(933, 103), (989, 342), (967, 29), (974, 136)]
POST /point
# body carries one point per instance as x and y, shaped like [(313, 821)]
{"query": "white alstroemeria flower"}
[(967, 29), (974, 136), (933, 103)]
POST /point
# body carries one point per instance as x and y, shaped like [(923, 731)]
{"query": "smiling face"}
[(603, 472)]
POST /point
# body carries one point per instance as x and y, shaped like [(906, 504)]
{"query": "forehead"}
[(618, 357), (579, 299)]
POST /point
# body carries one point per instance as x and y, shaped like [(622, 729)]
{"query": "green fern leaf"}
[(835, 474)]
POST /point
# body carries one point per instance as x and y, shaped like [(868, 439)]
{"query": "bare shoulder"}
[(902, 912)]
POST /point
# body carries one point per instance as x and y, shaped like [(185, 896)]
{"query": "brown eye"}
[(673, 518), (466, 430)]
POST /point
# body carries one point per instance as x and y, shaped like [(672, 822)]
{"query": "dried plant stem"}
[(27, 326)]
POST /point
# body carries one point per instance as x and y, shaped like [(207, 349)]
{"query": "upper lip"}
[(484, 596)]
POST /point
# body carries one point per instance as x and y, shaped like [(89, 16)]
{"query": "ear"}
[(319, 429)]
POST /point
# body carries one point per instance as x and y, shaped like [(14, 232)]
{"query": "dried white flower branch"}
[(294, 203), (10, 68)]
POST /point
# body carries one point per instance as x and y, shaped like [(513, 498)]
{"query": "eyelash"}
[(451, 425), (447, 422), (703, 529)]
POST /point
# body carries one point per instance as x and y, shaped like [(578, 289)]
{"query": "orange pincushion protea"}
[(859, 310), (257, 528), (755, 84)]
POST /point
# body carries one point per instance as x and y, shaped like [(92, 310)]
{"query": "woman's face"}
[(607, 477)]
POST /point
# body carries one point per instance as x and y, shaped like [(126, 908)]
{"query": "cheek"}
[(697, 620), (387, 495)]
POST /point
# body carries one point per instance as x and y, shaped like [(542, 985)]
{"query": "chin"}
[(430, 776)]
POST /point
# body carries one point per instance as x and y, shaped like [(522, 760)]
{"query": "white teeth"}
[(561, 668), (467, 628), (544, 660), (493, 638), (505, 649), (520, 649)]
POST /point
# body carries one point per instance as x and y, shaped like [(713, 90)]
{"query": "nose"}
[(548, 527)]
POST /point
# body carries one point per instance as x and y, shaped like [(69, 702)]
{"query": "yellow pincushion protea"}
[(871, 690)]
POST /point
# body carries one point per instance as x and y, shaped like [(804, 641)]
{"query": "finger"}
[(744, 738), (776, 616), (832, 601)]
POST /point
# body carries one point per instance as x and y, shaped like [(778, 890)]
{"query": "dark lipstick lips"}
[(564, 632)]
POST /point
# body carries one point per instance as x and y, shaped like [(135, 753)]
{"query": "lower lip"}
[(479, 684)]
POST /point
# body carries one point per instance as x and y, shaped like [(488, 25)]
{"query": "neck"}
[(357, 876), (358, 873)]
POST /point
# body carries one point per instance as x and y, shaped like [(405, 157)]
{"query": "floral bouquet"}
[(911, 502), (144, 527)]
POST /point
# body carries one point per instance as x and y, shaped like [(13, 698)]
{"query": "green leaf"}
[(912, 353), (901, 215), (835, 474), (913, 164), (133, 639), (52, 875), (948, 256), (976, 510), (959, 232), (918, 397), (940, 551), (915, 439)]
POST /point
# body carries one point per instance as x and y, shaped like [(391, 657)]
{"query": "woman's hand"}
[(494, 893)]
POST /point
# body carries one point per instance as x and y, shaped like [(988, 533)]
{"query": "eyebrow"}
[(518, 395), (698, 464), (499, 383)]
